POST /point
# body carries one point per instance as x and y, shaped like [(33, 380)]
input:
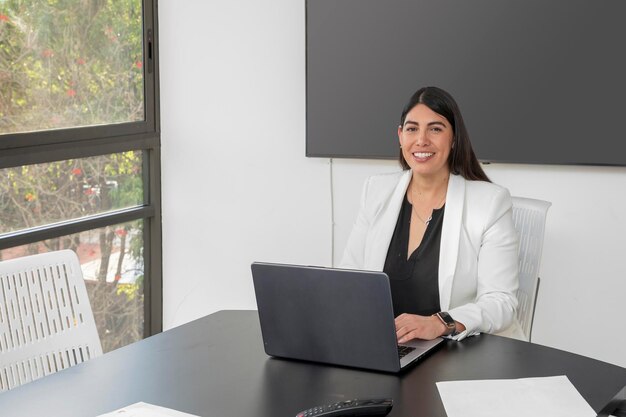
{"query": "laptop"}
[(334, 316)]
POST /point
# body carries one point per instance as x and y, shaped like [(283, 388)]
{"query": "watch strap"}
[(448, 321)]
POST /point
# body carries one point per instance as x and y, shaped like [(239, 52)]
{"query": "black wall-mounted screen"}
[(538, 81)]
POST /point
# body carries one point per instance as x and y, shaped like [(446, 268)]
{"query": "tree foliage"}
[(67, 63), (64, 64)]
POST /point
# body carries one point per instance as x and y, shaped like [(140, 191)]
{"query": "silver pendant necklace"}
[(427, 221)]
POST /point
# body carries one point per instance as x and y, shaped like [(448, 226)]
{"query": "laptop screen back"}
[(335, 316)]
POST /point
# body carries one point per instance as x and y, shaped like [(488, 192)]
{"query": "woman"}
[(440, 229)]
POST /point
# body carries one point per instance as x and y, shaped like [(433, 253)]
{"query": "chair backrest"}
[(46, 322), (529, 217)]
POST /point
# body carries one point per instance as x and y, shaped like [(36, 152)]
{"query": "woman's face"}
[(426, 140)]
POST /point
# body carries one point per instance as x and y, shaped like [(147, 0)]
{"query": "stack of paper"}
[(145, 410), (550, 396)]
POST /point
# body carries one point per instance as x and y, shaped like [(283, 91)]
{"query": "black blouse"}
[(414, 281)]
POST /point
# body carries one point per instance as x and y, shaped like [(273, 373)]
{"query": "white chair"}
[(529, 217), (46, 322)]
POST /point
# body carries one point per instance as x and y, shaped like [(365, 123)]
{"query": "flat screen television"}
[(537, 81)]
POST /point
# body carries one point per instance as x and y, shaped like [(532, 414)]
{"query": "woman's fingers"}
[(412, 326)]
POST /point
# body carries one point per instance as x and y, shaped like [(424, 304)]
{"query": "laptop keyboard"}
[(404, 350)]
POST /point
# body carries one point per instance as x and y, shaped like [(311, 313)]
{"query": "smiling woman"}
[(462, 159), (426, 141), (433, 227)]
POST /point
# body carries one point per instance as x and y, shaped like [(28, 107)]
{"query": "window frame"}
[(18, 149)]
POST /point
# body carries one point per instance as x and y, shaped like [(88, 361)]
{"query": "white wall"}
[(581, 303), (237, 187)]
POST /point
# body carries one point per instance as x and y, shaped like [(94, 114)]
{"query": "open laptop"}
[(336, 316)]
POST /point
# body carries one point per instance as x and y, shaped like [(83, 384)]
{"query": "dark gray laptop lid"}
[(335, 316)]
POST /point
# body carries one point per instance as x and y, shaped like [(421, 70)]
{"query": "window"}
[(80, 150)]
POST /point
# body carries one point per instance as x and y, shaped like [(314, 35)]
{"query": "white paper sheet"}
[(536, 397), (146, 410)]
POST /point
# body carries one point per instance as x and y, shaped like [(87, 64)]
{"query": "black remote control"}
[(354, 408)]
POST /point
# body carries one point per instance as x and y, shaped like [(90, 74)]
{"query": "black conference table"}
[(216, 367)]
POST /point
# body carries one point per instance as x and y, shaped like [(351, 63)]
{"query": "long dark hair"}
[(462, 160)]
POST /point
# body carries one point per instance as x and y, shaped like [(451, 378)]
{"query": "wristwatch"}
[(448, 321)]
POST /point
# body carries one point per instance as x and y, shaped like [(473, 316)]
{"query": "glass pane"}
[(112, 262), (34, 195), (70, 63)]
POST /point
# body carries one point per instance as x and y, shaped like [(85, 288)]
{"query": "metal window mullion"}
[(72, 134), (153, 251), (153, 287), (68, 227), (150, 65), (29, 155)]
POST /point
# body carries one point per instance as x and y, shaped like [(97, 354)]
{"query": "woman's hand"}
[(412, 326)]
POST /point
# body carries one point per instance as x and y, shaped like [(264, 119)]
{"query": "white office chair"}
[(46, 322), (529, 217)]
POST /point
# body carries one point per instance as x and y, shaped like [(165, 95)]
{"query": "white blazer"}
[(478, 261)]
